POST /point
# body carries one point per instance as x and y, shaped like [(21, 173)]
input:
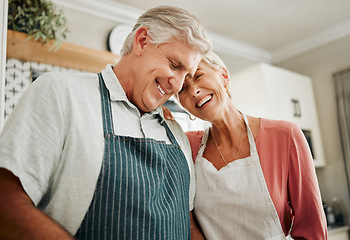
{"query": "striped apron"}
[(143, 188)]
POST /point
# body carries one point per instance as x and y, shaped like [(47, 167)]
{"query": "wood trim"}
[(69, 55)]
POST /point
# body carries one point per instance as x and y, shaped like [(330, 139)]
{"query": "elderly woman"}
[(255, 177)]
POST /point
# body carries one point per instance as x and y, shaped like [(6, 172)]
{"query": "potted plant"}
[(39, 19)]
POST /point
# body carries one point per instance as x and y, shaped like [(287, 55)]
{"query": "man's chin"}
[(152, 105), (148, 108)]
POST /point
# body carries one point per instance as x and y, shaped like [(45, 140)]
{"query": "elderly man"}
[(90, 155)]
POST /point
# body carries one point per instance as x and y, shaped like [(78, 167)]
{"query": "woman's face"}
[(204, 95)]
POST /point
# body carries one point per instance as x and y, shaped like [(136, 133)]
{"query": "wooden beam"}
[(68, 55)]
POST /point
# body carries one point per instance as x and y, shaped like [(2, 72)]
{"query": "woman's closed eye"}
[(198, 75)]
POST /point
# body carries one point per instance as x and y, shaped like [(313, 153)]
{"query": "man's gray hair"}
[(165, 23)]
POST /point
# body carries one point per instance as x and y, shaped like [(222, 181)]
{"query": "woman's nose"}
[(195, 90)]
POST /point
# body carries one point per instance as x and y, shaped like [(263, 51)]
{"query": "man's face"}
[(160, 73)]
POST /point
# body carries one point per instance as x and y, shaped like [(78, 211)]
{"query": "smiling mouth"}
[(161, 90), (205, 100)]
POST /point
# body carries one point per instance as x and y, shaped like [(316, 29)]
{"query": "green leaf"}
[(40, 19)]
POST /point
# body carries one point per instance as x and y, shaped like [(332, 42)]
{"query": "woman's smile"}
[(204, 101)]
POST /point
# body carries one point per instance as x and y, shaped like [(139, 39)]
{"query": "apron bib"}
[(234, 202), (143, 188)]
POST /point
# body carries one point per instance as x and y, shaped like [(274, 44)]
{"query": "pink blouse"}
[(290, 177)]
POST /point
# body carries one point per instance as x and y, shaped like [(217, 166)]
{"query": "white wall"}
[(91, 30), (320, 64), (88, 30)]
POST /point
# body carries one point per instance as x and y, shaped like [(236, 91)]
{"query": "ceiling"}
[(276, 28)]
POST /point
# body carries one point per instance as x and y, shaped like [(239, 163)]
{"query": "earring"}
[(228, 92), (192, 118)]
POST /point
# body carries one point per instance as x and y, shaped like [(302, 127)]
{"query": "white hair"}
[(214, 61), (167, 22)]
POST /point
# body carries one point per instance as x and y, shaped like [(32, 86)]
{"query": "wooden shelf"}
[(69, 55)]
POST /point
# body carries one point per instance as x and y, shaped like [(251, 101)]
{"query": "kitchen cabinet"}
[(289, 96), (267, 91)]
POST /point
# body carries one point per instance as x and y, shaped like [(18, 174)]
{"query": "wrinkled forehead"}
[(195, 65), (182, 52)]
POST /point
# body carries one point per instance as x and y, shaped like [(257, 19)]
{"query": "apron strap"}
[(107, 113), (168, 131), (106, 107), (250, 137)]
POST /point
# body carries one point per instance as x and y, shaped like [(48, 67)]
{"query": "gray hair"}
[(165, 23), (214, 61)]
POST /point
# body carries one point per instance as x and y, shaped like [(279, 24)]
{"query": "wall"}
[(19, 75), (88, 30), (319, 64), (92, 31)]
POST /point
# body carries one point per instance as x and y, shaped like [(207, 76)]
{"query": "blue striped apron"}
[(143, 188)]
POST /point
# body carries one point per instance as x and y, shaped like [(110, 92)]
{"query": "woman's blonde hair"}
[(167, 22), (214, 60)]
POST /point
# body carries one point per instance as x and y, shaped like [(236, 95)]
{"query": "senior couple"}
[(93, 156)]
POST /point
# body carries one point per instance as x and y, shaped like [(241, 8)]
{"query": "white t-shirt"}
[(53, 140)]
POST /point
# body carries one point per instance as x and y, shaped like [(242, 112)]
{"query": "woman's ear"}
[(225, 75), (141, 39)]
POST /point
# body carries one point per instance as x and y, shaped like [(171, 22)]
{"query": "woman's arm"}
[(196, 231), (195, 139), (305, 197)]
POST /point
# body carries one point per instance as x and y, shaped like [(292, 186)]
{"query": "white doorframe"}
[(3, 46)]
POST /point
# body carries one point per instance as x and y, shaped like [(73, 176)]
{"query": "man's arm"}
[(19, 218)]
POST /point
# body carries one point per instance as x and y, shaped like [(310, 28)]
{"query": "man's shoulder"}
[(66, 81), (67, 76)]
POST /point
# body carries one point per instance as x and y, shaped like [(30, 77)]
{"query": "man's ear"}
[(141, 39)]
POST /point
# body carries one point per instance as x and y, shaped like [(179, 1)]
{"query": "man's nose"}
[(176, 82)]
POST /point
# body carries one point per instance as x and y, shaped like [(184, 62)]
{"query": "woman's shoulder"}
[(277, 125), (195, 134), (195, 139), (277, 129)]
